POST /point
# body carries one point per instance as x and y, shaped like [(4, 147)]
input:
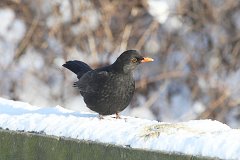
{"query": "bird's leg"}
[(100, 116), (118, 116)]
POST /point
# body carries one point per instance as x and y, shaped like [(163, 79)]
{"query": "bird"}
[(107, 90)]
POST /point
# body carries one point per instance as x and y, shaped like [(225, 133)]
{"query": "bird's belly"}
[(112, 98), (116, 100)]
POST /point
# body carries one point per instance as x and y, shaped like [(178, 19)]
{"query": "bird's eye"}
[(134, 60)]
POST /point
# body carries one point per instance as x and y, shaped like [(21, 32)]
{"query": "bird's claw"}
[(118, 116), (100, 116)]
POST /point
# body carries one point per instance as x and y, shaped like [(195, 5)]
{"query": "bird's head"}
[(129, 60)]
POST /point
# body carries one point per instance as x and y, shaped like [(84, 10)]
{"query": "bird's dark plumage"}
[(109, 89)]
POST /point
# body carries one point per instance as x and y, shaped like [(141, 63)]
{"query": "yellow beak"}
[(147, 59)]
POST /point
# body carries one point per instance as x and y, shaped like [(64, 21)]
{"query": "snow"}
[(12, 30), (164, 12), (159, 9), (196, 137)]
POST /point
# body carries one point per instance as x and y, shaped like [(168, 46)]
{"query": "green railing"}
[(32, 146)]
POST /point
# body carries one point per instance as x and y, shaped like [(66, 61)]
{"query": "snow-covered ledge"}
[(200, 138)]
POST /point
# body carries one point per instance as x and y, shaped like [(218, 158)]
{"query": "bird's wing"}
[(92, 81)]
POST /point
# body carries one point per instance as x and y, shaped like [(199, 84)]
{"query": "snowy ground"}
[(202, 137)]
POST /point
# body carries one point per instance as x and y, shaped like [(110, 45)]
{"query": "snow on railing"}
[(42, 131)]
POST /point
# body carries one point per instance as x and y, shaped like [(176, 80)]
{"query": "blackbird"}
[(109, 89)]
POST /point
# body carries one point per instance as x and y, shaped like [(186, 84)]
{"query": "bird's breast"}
[(112, 96), (118, 88)]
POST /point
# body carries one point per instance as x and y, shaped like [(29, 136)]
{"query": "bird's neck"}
[(117, 67)]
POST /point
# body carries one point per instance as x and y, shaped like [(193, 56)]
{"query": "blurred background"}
[(195, 44)]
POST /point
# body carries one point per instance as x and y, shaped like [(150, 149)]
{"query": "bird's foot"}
[(100, 116), (118, 116)]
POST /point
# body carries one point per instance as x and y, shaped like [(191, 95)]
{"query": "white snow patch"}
[(196, 137), (8, 16), (159, 9), (12, 31)]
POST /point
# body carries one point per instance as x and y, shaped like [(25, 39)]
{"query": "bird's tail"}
[(77, 67)]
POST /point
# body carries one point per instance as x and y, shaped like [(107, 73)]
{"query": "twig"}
[(24, 43), (166, 75), (125, 37), (151, 100), (141, 41), (92, 45), (214, 105), (105, 16)]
